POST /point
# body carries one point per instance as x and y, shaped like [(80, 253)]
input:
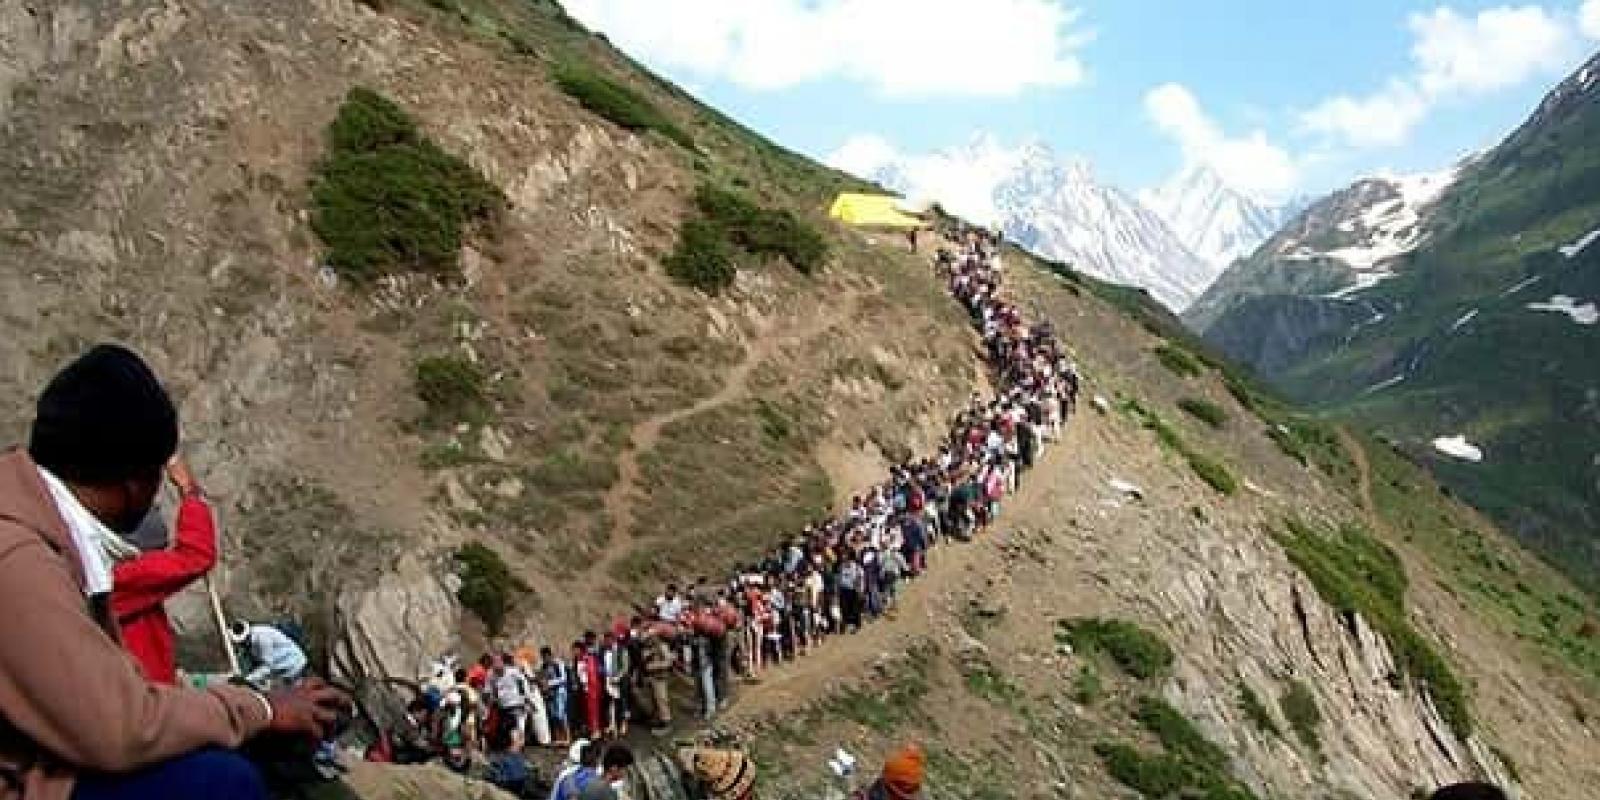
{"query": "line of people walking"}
[(829, 579)]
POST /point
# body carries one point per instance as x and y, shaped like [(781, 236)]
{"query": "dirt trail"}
[(1358, 456), (955, 569), (620, 500)]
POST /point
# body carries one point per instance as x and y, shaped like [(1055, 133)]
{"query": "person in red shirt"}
[(141, 586)]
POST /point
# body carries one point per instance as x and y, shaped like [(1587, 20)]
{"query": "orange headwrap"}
[(902, 773)]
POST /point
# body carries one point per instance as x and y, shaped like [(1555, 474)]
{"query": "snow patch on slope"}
[(1522, 284), (1465, 318), (1392, 227), (1458, 447), (1583, 314), (1572, 250)]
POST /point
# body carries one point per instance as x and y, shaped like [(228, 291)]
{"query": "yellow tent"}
[(873, 211)]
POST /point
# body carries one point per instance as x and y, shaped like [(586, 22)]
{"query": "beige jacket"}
[(71, 700)]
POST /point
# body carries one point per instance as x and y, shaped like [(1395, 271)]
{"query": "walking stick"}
[(222, 627), (216, 605)]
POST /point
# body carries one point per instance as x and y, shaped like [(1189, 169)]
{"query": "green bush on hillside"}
[(1204, 410), (454, 389), (1244, 393), (488, 589), (618, 103), (763, 231), (1214, 473), (702, 258), (1137, 651), (1178, 734), (1180, 361), (386, 199), (707, 253), (1152, 775), (1256, 711), (1299, 707), (1355, 573)]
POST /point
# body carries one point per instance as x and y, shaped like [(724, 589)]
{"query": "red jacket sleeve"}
[(147, 581)]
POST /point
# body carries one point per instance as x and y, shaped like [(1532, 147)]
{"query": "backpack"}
[(292, 628)]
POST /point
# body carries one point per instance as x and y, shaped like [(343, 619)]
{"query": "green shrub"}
[(1180, 361), (774, 424), (992, 686), (706, 255), (1299, 707), (618, 103), (1157, 775), (386, 199), (1291, 445), (1244, 393), (1178, 734), (488, 589), (1355, 573), (1213, 473), (703, 257), (1204, 410), (1137, 651), (1086, 687), (763, 231), (1166, 434), (569, 472), (1256, 711), (454, 389)]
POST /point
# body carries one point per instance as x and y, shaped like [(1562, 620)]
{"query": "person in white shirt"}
[(670, 605)]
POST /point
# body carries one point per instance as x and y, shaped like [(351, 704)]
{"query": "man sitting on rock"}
[(77, 717)]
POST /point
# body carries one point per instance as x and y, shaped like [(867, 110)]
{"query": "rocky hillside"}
[(516, 401), (549, 394), (1257, 598), (1458, 305)]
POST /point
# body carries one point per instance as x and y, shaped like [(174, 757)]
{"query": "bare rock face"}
[(401, 626), (1247, 617), (393, 782)]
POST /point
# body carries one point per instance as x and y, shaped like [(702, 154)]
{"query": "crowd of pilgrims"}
[(829, 579)]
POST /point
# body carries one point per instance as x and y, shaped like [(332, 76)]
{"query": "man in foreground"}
[(77, 717)]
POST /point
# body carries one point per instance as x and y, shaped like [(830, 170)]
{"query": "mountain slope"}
[(554, 398), (1465, 314), (1216, 222)]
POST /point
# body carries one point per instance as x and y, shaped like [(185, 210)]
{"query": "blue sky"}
[(1282, 98)]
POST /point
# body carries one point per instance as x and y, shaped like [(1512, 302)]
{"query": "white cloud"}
[(962, 179), (1383, 118), (1250, 163), (1453, 56), (863, 154), (899, 48), (1589, 18), (1500, 47)]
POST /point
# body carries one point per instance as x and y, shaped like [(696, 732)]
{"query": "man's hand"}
[(180, 476), (308, 709)]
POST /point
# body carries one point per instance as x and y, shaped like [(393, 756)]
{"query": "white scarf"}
[(98, 547)]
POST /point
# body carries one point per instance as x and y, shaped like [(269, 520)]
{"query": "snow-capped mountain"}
[(1058, 209), (1215, 221), (1337, 248)]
